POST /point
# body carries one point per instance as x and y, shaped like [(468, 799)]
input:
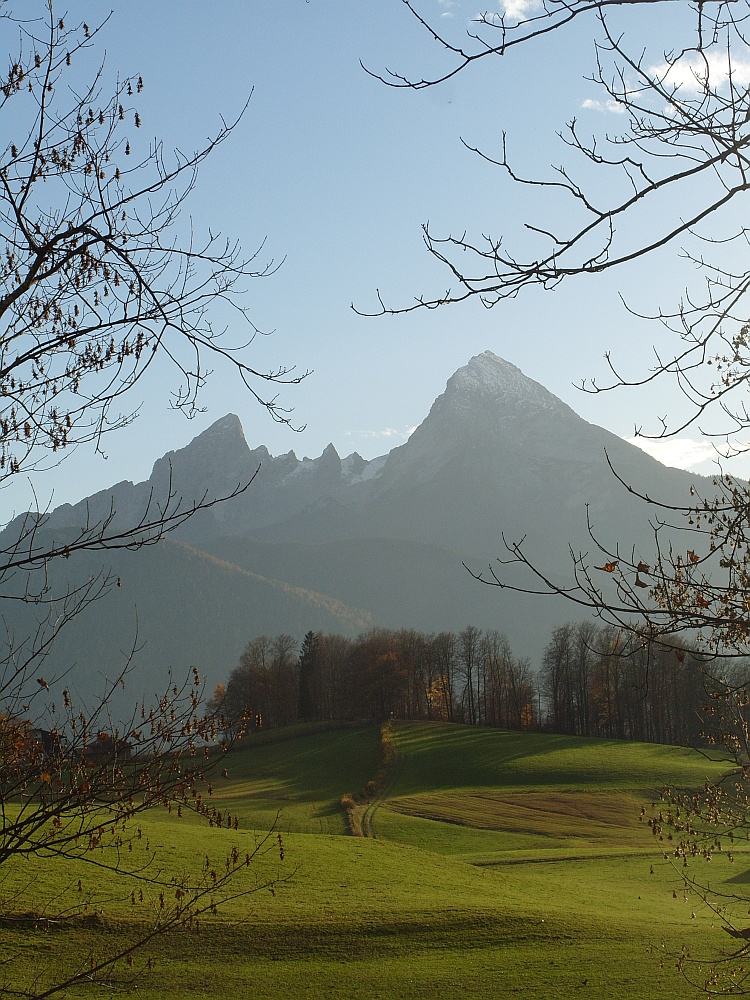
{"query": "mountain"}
[(497, 455), (342, 544)]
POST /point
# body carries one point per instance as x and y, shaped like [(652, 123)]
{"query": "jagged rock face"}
[(219, 461), (214, 462), (497, 454), (217, 464), (492, 409), (487, 405)]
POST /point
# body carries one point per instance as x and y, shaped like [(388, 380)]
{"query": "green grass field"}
[(501, 864)]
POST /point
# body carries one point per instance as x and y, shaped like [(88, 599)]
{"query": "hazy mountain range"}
[(344, 544)]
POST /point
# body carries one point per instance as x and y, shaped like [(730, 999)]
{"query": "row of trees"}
[(468, 677), (607, 682), (593, 682)]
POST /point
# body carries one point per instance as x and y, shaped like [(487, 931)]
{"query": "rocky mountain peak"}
[(219, 456), (487, 370), (226, 427), (490, 407), (488, 377)]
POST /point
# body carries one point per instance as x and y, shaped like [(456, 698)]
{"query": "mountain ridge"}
[(358, 543)]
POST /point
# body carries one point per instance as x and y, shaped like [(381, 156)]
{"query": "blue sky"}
[(337, 173)]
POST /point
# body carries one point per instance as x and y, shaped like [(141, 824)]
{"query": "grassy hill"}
[(501, 864)]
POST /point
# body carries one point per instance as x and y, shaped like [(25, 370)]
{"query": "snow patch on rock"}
[(370, 471)]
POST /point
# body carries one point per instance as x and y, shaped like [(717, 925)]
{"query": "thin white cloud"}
[(609, 106), (387, 432), (678, 453), (519, 10), (448, 7), (691, 73)]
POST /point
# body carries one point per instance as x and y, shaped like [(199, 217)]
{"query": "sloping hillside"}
[(177, 607)]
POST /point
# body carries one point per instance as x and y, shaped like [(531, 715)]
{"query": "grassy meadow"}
[(499, 864)]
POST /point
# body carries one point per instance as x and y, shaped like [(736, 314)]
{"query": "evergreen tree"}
[(309, 677)]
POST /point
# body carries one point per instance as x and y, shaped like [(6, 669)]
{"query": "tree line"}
[(593, 681)]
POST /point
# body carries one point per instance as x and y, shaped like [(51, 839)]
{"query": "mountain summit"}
[(487, 404), (495, 379)]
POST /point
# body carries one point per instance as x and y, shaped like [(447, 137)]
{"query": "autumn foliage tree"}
[(671, 175), (593, 681), (101, 286), (471, 677)]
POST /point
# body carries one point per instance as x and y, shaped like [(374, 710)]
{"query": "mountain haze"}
[(344, 544)]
